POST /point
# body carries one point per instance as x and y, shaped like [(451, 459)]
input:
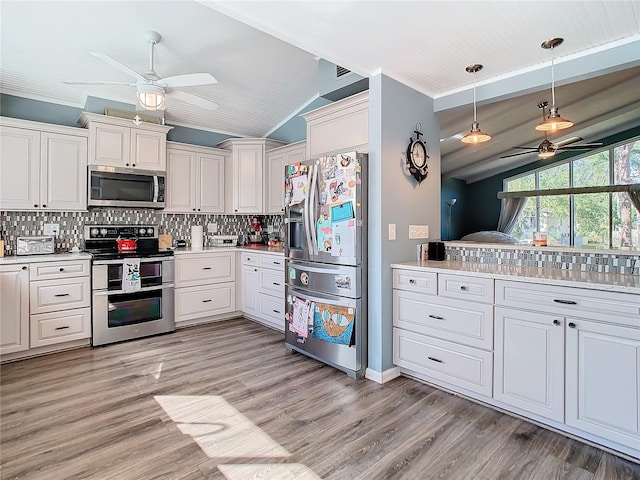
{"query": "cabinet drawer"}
[(470, 288), (251, 259), (425, 282), (271, 282), (58, 327), (458, 321), (448, 362), (47, 270), (61, 294), (199, 302), (611, 307), (272, 310), (272, 262), (201, 269)]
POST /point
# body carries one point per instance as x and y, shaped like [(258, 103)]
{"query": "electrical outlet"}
[(418, 231), (212, 228), (52, 229), (392, 231)]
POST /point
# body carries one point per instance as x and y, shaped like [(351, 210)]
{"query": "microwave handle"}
[(155, 188)]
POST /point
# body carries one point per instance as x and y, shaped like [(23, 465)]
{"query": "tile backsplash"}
[(20, 224), (547, 257)]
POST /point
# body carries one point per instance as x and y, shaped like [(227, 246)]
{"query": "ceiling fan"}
[(151, 88), (548, 149)]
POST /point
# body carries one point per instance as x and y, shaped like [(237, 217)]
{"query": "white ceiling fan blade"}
[(100, 83), (188, 80), (192, 99), (119, 65)]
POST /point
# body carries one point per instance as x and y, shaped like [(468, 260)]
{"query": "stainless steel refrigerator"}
[(326, 250)]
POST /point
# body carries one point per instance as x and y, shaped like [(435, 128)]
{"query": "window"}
[(595, 220)]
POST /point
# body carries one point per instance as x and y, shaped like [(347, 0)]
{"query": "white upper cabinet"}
[(277, 159), (195, 179), (117, 142), (245, 192), (42, 167)]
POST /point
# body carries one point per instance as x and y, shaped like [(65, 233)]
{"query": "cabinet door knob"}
[(556, 322), (412, 281), (463, 288), (126, 164), (255, 269), (133, 164), (572, 325), (24, 267), (193, 209), (44, 206), (61, 269), (35, 205)]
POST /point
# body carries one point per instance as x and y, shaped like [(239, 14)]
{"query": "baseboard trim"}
[(382, 377)]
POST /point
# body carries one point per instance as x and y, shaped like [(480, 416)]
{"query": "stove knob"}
[(103, 232), (141, 232), (94, 232)]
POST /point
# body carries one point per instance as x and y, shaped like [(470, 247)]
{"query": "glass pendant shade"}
[(476, 135), (554, 122), (150, 97)]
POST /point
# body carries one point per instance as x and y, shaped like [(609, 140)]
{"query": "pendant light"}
[(554, 121), (475, 135)]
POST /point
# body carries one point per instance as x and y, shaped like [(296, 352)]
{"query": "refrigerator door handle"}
[(318, 297), (306, 217), (320, 268), (313, 185)]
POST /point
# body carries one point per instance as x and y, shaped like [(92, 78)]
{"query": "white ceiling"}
[(266, 77)]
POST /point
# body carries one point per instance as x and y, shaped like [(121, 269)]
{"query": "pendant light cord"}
[(475, 117), (553, 80)]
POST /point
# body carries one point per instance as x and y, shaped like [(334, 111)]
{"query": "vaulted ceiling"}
[(264, 56)]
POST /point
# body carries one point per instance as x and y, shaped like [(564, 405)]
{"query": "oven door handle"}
[(121, 292), (142, 260)]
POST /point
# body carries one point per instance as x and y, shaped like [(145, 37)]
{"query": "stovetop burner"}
[(101, 255)]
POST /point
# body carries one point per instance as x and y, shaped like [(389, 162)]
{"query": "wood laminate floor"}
[(227, 400)]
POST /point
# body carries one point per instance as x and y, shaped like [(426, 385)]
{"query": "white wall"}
[(395, 197)]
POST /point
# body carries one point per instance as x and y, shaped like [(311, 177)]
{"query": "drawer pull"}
[(276, 311), (206, 268), (565, 302), (464, 288), (436, 317), (412, 281), (433, 359), (61, 269), (206, 301), (276, 263), (556, 322), (61, 295), (572, 325), (24, 267), (62, 328), (276, 284)]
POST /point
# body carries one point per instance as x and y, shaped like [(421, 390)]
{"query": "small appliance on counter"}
[(223, 240), (255, 235), (35, 245)]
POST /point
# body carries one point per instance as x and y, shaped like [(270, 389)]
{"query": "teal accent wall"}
[(295, 129), (483, 209), (453, 188), (193, 136), (38, 111), (334, 88)]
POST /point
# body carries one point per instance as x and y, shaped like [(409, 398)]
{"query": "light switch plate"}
[(418, 231), (392, 231), (51, 229), (212, 228)]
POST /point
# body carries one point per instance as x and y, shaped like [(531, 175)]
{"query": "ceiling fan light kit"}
[(554, 121), (151, 97), (476, 135)]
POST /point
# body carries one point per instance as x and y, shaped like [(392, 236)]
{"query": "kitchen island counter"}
[(626, 283)]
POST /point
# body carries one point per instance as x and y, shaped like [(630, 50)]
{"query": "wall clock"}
[(417, 156)]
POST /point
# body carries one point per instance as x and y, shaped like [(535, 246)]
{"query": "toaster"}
[(35, 245)]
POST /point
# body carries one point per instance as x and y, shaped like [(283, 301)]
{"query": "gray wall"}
[(395, 197)]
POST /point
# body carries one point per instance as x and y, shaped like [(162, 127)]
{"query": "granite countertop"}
[(256, 248), (549, 276), (54, 257)]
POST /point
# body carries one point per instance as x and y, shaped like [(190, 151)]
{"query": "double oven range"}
[(120, 313)]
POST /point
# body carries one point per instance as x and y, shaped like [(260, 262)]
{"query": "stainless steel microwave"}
[(125, 187)]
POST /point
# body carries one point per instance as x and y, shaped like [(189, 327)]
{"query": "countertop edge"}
[(612, 282), (53, 257)]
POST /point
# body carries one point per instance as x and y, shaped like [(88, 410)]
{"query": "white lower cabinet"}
[(263, 288), (205, 286), (529, 362), (565, 356), (54, 327), (603, 380), (14, 308)]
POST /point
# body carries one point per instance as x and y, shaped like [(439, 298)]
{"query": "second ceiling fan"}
[(548, 149)]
